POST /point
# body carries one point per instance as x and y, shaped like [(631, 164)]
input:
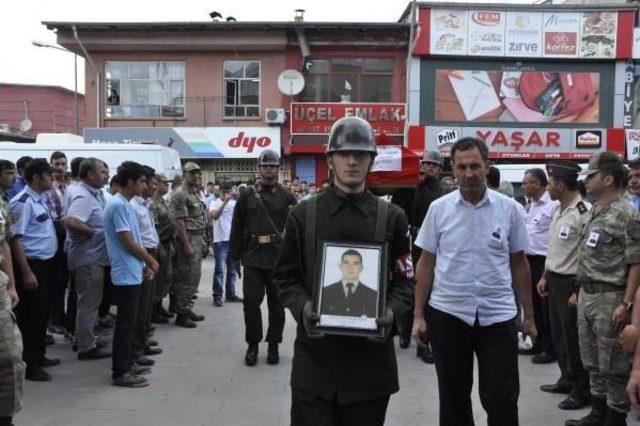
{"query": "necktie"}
[(349, 290)]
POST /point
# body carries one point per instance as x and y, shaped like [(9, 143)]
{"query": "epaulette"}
[(23, 198), (582, 209)]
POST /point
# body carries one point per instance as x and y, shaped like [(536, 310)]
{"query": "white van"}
[(160, 158)]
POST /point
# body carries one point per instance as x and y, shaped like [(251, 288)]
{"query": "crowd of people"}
[(560, 269)]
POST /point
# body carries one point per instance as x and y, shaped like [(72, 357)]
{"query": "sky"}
[(21, 62)]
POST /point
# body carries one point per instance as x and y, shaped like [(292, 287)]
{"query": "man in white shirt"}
[(540, 209), (473, 243), (221, 212)]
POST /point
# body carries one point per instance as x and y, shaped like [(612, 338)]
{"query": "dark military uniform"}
[(186, 205), (610, 242), (12, 367), (163, 218), (256, 235), (352, 372)]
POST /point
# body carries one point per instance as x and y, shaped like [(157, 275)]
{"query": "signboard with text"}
[(529, 34), (195, 142), (315, 118)]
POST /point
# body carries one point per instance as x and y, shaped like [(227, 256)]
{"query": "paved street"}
[(201, 379)]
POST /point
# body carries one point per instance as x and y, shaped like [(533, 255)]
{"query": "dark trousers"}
[(309, 410), (496, 346), (107, 293), (564, 332), (127, 304), (543, 342), (72, 306), (143, 315), (256, 282), (58, 285), (32, 312)]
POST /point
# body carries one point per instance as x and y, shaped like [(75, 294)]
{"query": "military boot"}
[(156, 317), (183, 320), (273, 357), (251, 357), (615, 418), (162, 311), (597, 415)]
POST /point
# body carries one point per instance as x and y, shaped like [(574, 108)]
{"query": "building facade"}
[(210, 89)]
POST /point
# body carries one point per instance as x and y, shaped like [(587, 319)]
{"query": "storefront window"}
[(144, 89), (241, 88), (346, 79)]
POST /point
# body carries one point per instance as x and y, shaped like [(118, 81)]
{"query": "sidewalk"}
[(201, 379)]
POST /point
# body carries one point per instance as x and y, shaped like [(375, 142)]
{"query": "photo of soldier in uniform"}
[(350, 287)]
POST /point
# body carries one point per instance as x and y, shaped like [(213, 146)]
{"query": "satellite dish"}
[(25, 125), (290, 82)]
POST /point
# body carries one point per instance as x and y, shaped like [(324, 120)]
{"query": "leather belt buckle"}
[(264, 239)]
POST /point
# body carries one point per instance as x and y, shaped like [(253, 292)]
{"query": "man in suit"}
[(349, 297)]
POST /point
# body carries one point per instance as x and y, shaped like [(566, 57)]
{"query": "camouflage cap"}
[(191, 167), (597, 160)]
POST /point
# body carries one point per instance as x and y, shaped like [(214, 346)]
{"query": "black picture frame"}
[(328, 296)]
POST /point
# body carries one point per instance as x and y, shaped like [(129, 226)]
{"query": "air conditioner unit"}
[(4, 127), (275, 116)]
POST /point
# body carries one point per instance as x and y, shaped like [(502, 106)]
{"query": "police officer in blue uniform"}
[(34, 245)]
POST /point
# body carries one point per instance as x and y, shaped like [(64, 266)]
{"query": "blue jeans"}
[(222, 256)]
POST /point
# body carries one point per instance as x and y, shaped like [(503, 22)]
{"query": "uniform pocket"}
[(611, 359)]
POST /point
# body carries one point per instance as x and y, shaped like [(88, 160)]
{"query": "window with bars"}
[(241, 88), (144, 89), (343, 79)]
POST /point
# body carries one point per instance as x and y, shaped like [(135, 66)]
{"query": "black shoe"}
[(183, 320), (424, 353), (49, 339), (50, 362), (145, 362), (37, 375), (405, 342), (130, 380), (157, 318), (251, 358), (273, 357), (152, 351), (195, 317), (57, 329), (596, 417), (557, 388), (194, 297), (233, 299), (151, 342), (95, 353), (217, 302), (163, 311), (531, 351), (543, 358), (615, 418), (574, 402), (152, 328)]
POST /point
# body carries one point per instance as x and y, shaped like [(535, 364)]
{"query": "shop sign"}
[(561, 34), (523, 35), (629, 95), (598, 34), (447, 138), (486, 33), (524, 143), (196, 142), (313, 118), (588, 139)]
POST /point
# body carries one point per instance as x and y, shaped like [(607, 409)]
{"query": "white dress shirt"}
[(473, 244), (148, 233), (538, 220)]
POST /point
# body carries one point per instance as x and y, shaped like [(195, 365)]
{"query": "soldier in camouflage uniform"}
[(189, 218), (608, 267), (12, 368), (163, 218)]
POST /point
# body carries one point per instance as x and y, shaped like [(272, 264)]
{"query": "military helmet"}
[(352, 134), (433, 157), (268, 157)]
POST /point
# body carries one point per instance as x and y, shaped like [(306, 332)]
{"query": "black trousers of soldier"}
[(32, 312), (257, 282), (543, 342), (454, 343), (309, 410), (564, 333), (58, 287)]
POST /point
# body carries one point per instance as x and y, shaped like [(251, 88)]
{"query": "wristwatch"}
[(628, 305)]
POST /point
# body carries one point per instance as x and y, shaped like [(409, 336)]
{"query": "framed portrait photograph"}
[(349, 293)]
